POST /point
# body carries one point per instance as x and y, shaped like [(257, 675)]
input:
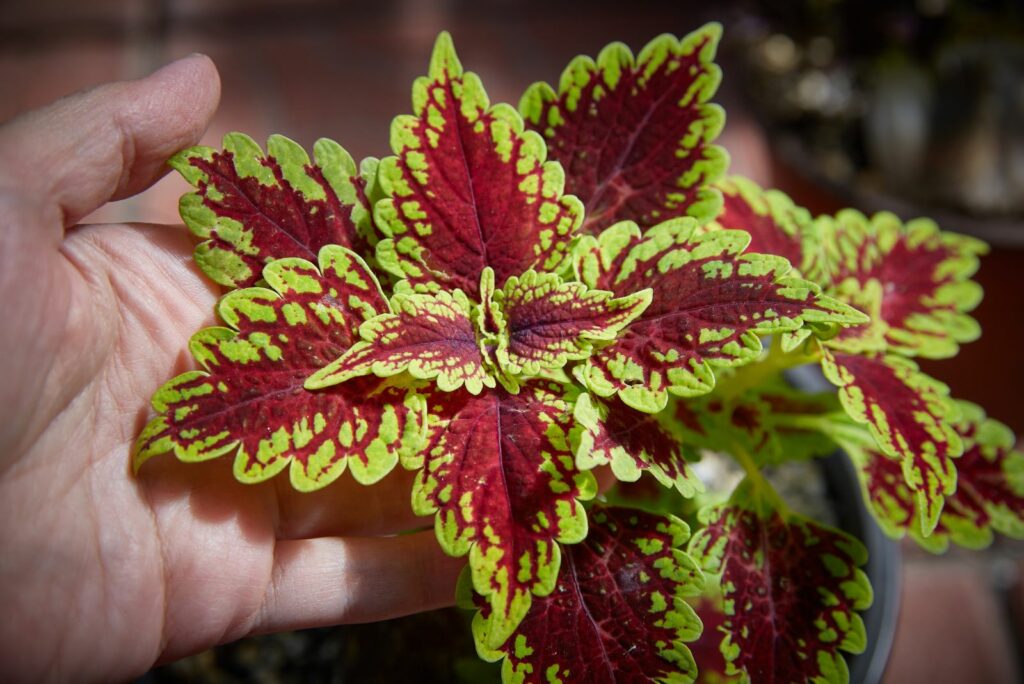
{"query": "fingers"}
[(319, 582), (346, 507), (343, 508), (110, 142)]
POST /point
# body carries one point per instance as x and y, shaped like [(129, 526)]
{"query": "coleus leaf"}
[(769, 422), (498, 472), (635, 134), (707, 652), (989, 494), (249, 399), (251, 207), (542, 322), (918, 275), (610, 432), (469, 188), (775, 224), (710, 303), (428, 336), (913, 279), (618, 612), (792, 589), (910, 417)]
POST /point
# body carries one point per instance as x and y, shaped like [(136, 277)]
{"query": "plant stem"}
[(757, 373), (836, 426), (758, 481)]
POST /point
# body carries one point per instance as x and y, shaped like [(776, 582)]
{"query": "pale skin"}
[(104, 574)]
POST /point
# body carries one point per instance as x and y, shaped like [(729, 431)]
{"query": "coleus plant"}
[(518, 297)]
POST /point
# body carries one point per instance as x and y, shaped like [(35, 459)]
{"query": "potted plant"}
[(518, 298)]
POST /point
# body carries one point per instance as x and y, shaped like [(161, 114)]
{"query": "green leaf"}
[(774, 423)]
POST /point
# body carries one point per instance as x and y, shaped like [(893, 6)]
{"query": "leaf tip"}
[(444, 62)]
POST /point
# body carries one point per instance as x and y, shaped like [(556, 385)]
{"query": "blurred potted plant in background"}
[(521, 296), (914, 106)]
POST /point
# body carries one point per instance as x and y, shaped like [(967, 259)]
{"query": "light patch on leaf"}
[(543, 322)]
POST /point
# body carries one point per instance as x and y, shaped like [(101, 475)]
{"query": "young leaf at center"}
[(545, 321), (430, 336)]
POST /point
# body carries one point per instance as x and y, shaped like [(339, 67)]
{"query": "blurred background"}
[(916, 106)]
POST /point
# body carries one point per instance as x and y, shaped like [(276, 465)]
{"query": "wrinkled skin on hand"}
[(103, 574)]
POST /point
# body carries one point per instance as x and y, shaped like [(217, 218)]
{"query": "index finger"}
[(110, 142)]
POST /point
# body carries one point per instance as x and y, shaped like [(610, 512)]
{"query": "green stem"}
[(836, 426), (759, 483), (758, 373)]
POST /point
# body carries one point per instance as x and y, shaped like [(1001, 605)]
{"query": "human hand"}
[(103, 574)]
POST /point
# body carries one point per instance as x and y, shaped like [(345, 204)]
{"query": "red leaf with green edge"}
[(710, 303), (707, 652), (432, 337), (792, 589), (610, 432), (618, 612), (775, 423), (635, 135), (913, 279), (910, 417), (917, 277), (251, 208), (469, 188), (249, 399), (543, 322), (774, 223), (498, 472), (989, 494)]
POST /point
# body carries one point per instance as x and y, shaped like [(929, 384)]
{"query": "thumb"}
[(110, 142)]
